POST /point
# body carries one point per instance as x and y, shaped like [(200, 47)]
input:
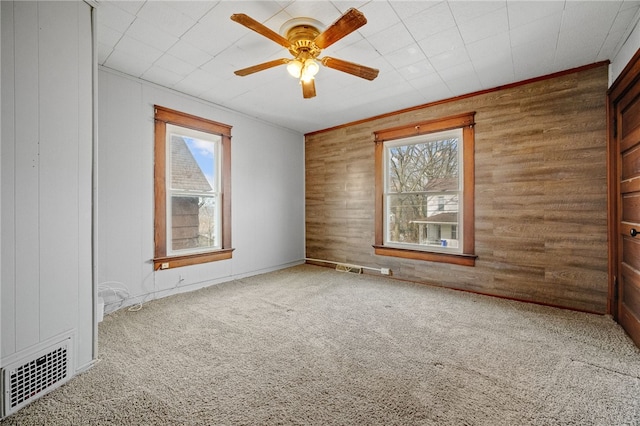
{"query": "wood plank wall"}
[(540, 196)]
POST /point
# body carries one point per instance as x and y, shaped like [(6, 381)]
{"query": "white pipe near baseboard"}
[(342, 263)]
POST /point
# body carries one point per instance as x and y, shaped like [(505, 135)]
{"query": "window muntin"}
[(422, 192), (193, 190)]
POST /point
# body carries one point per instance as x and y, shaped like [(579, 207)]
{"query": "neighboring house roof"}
[(446, 217), (185, 172)]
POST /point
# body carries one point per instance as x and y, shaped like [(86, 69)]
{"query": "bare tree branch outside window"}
[(422, 181)]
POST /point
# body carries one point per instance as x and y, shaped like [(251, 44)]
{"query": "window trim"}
[(164, 116), (466, 123)]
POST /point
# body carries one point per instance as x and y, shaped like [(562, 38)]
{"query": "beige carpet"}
[(311, 346)]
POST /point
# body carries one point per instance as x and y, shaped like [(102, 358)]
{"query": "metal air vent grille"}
[(31, 379)]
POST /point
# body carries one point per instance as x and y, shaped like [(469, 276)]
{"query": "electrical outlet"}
[(164, 265), (385, 271)]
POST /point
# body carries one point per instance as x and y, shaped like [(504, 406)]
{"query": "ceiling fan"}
[(305, 42)]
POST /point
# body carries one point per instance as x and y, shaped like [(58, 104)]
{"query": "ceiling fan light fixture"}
[(309, 70), (295, 68), (311, 67)]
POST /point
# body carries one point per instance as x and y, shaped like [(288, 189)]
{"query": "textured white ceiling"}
[(425, 50)]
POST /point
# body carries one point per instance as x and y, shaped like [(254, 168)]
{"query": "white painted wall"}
[(626, 52), (267, 193), (46, 145)]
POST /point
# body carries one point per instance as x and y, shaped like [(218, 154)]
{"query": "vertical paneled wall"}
[(46, 176), (540, 195)]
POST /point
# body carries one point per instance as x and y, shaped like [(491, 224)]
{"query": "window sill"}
[(190, 259), (453, 258)]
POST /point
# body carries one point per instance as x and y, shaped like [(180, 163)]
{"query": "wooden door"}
[(624, 150)]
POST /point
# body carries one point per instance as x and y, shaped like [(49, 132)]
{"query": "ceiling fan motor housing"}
[(301, 38)]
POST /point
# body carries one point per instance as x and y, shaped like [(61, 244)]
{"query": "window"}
[(192, 190), (425, 190)]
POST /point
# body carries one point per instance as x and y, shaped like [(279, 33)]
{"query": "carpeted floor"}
[(311, 346)]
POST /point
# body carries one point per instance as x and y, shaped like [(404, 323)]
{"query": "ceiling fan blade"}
[(344, 25), (350, 68), (261, 67), (256, 26), (308, 88)]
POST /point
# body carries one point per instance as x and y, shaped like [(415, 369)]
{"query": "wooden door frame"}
[(629, 76)]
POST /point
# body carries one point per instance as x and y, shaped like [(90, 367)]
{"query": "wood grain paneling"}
[(631, 208), (540, 193), (631, 252), (631, 288), (631, 163), (631, 122)]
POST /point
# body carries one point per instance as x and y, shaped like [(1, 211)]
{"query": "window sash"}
[(184, 132), (417, 237), (187, 244), (423, 241), (180, 245)]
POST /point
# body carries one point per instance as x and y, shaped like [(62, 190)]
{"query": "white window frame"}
[(421, 139), (176, 130)]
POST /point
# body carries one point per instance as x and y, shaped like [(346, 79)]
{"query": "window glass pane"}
[(194, 222), (193, 164), (416, 219), (428, 166)]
